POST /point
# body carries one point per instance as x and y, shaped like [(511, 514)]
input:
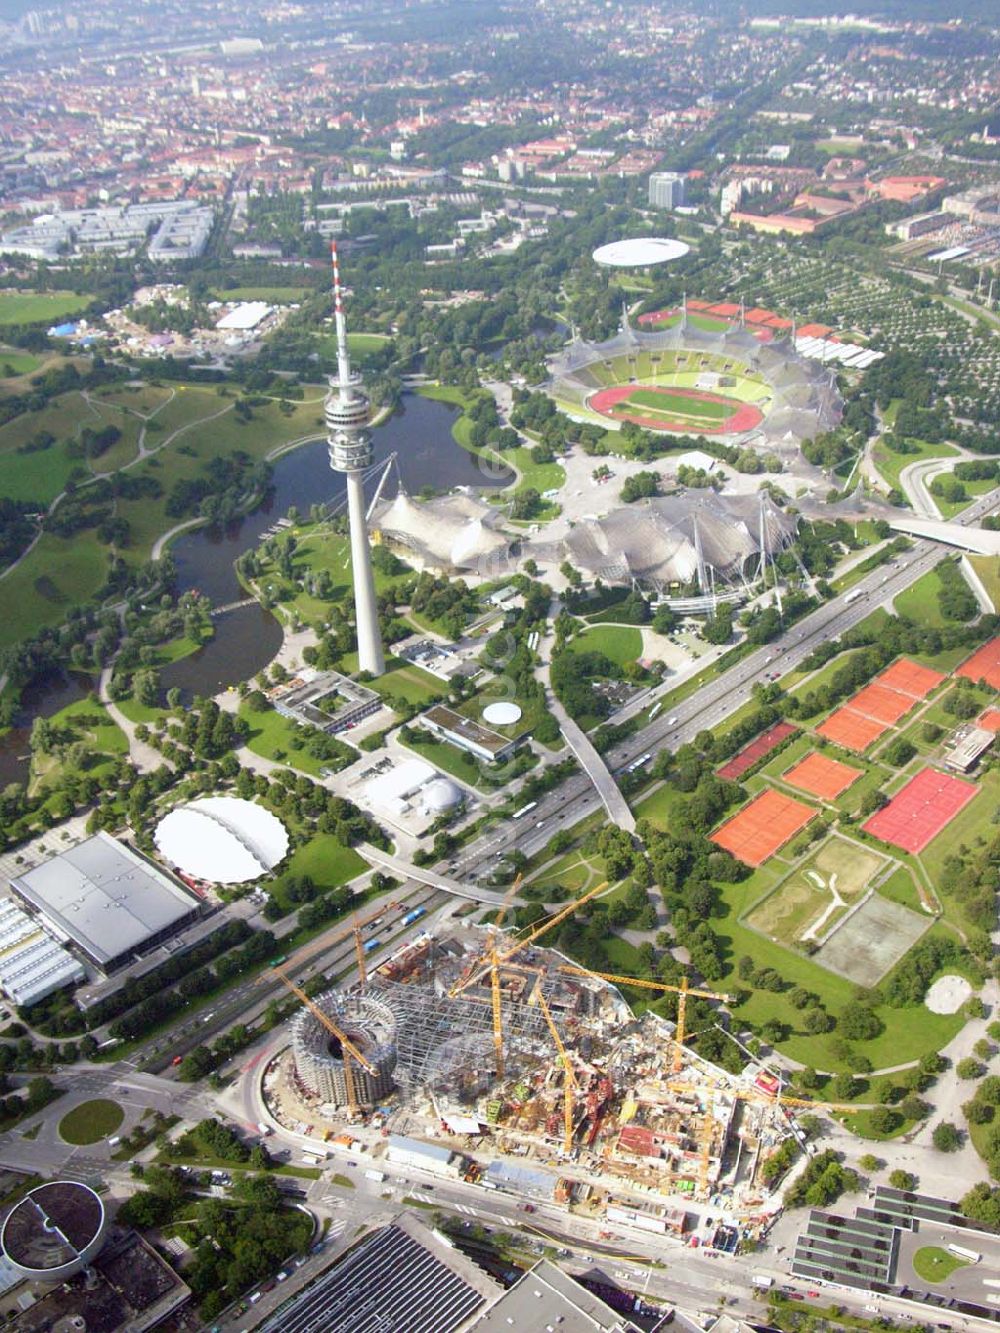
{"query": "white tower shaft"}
[(370, 655), (347, 415)]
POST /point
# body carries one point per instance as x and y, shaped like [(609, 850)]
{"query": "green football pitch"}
[(676, 403)]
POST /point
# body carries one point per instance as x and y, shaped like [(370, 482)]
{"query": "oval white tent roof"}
[(640, 252), (502, 714), (222, 839)]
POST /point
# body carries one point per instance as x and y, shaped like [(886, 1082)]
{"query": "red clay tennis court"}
[(762, 827), (990, 720), (911, 678), (756, 750), (822, 777), (851, 730), (984, 664), (919, 812), (883, 704)]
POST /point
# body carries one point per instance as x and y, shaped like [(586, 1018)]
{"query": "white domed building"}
[(441, 796), (222, 840)]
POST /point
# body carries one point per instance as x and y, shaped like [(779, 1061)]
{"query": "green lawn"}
[(59, 574), (919, 602), (17, 363), (34, 307), (908, 1033), (86, 721), (620, 643), (324, 859), (273, 295), (934, 1264), (988, 569), (891, 464), (404, 680), (447, 757), (283, 741), (91, 1121), (540, 477)]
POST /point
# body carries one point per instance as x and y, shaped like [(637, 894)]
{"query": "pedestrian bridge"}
[(978, 541)]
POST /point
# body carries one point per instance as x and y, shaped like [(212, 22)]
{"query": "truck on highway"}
[(853, 596), (375, 1175), (371, 944), (415, 915), (761, 1281), (263, 1129)]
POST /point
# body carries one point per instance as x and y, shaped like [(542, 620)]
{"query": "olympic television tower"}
[(348, 412)]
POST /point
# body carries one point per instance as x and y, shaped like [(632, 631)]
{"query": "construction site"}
[(526, 1072)]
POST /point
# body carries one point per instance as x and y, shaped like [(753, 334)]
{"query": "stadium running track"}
[(746, 417)]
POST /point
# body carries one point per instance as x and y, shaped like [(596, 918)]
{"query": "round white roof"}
[(441, 794), (502, 714), (222, 839), (639, 252)]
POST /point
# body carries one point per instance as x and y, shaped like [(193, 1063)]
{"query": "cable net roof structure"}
[(676, 538), (805, 397), (455, 531)]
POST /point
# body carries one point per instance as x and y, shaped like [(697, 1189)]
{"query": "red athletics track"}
[(744, 418), (919, 812)]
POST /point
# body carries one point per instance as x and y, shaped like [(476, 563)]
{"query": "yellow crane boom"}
[(682, 992), (569, 1077), (324, 942)]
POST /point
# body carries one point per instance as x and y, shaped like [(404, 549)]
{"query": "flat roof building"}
[(547, 1298), (106, 899), (32, 963), (428, 1156), (483, 742), (403, 1276), (970, 748)]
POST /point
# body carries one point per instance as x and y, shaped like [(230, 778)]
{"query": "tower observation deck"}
[(348, 413)]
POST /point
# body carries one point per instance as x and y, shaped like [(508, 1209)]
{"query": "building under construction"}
[(575, 1078)]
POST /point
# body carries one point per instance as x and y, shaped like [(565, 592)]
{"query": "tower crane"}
[(569, 1076), (682, 992), (757, 1095), (494, 960), (350, 1051), (324, 942)]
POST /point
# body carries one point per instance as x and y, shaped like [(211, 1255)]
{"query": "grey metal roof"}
[(400, 1277), (546, 1297), (104, 896)]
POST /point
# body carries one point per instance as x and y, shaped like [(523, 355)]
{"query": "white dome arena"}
[(440, 795), (639, 252), (222, 839)]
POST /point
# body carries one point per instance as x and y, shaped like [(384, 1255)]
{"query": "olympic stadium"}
[(725, 382)]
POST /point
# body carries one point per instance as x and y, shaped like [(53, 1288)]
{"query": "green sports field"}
[(33, 307), (661, 402)]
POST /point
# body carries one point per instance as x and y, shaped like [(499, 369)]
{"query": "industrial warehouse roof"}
[(399, 1277), (32, 963), (661, 539), (639, 252), (222, 839), (104, 896), (450, 532)]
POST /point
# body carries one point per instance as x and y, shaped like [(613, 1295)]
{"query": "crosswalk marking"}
[(336, 1228), (464, 1208)]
